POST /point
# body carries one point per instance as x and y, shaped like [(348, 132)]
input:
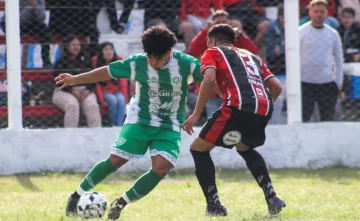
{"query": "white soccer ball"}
[(92, 205)]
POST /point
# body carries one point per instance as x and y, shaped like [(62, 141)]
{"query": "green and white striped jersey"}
[(160, 96)]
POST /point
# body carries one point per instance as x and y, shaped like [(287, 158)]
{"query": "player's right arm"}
[(117, 69)]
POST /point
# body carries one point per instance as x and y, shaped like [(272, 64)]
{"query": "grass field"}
[(328, 194)]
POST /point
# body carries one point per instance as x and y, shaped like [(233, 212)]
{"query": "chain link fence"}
[(77, 35)]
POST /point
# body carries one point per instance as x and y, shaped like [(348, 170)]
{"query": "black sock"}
[(205, 173), (75, 194), (256, 164)]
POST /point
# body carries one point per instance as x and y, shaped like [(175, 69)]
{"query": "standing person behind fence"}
[(320, 45), (113, 93), (71, 99), (32, 22), (349, 31), (275, 59)]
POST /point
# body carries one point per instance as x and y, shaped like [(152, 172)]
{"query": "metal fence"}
[(77, 35)]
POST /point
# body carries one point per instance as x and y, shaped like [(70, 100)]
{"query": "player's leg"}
[(252, 136), (205, 173), (204, 167), (164, 151), (127, 146)]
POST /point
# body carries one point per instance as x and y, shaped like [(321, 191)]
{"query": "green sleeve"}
[(196, 73), (123, 69)]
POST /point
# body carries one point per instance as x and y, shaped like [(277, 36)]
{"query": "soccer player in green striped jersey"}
[(154, 115)]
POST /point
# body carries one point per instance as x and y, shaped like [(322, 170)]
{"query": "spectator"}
[(164, 12), (117, 25), (198, 12), (330, 19), (112, 93), (320, 45), (199, 45), (70, 99), (32, 22), (275, 58), (355, 4), (350, 35), (251, 17), (349, 31)]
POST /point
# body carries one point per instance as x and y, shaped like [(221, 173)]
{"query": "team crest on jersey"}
[(232, 138), (176, 80), (120, 141)]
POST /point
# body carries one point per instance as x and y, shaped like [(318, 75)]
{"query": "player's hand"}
[(65, 80), (190, 122)]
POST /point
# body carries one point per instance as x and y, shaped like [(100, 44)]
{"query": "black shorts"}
[(229, 126)]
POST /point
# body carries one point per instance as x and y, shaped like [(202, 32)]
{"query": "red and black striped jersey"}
[(241, 77)]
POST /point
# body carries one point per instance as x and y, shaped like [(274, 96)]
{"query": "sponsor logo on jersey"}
[(164, 93), (232, 137), (171, 106)]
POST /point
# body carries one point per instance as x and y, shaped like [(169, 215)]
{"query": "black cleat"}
[(275, 205), (115, 208), (71, 206), (216, 210)]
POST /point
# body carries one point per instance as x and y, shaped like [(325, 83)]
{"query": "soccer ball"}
[(91, 205)]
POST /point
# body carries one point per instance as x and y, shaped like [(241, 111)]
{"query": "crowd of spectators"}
[(191, 20)]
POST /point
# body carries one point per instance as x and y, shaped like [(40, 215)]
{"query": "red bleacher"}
[(39, 110)]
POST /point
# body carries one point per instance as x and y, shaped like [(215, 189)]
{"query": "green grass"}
[(328, 194)]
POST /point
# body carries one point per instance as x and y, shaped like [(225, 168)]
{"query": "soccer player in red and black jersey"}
[(248, 90)]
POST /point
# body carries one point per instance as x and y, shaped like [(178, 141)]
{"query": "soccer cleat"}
[(275, 205), (216, 210), (115, 208), (71, 205)]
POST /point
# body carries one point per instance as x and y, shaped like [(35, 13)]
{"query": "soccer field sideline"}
[(328, 194)]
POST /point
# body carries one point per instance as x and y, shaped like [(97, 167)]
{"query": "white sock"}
[(80, 191), (126, 198)]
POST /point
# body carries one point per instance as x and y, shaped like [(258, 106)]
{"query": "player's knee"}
[(117, 161), (161, 170)]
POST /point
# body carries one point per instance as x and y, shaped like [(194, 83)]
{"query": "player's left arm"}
[(271, 82)]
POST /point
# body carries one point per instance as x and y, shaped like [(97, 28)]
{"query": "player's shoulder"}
[(184, 57), (140, 56)]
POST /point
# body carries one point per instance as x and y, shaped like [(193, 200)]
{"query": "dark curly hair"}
[(223, 33), (157, 40)]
